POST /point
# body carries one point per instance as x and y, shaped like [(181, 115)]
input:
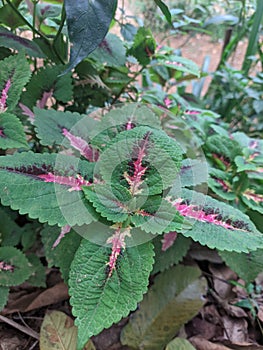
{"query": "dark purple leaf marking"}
[(104, 45), (224, 185), (46, 173), (30, 170), (44, 9), (224, 160), (82, 146), (117, 241), (168, 240), (6, 267), (4, 96), (75, 183), (209, 215)]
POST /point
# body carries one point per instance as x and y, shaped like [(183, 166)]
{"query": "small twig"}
[(23, 329), (33, 345)]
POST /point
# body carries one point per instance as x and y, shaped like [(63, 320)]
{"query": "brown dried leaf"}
[(37, 299), (222, 274), (235, 329), (202, 344)]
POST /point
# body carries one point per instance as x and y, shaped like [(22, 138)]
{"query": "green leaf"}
[(179, 344), (174, 299), (112, 202), (171, 256), (253, 37), (98, 301), (30, 233), (50, 124), (143, 46), (217, 224), (253, 200), (165, 10), (223, 146), (156, 154), (88, 23), (63, 254), (58, 332), (38, 275), (48, 80), (14, 267), (193, 172), (22, 187), (110, 52), (247, 266), (10, 232), (244, 165), (178, 63), (220, 182), (9, 17), (157, 216), (4, 293), (12, 133), (119, 119), (15, 69), (9, 40)]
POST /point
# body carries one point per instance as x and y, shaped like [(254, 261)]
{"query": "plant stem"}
[(253, 37), (34, 30)]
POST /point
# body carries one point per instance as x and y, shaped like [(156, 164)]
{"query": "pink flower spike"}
[(64, 230), (168, 240), (74, 183), (4, 96), (117, 240), (82, 146), (2, 133)]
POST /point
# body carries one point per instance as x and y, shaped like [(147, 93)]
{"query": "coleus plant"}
[(108, 185)]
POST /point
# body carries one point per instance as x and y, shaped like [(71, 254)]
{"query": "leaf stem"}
[(34, 30)]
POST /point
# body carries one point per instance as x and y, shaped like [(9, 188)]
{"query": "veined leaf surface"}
[(99, 300), (47, 187)]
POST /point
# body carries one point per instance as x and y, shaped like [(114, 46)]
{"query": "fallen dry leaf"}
[(203, 344), (235, 329), (37, 299), (222, 274)]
